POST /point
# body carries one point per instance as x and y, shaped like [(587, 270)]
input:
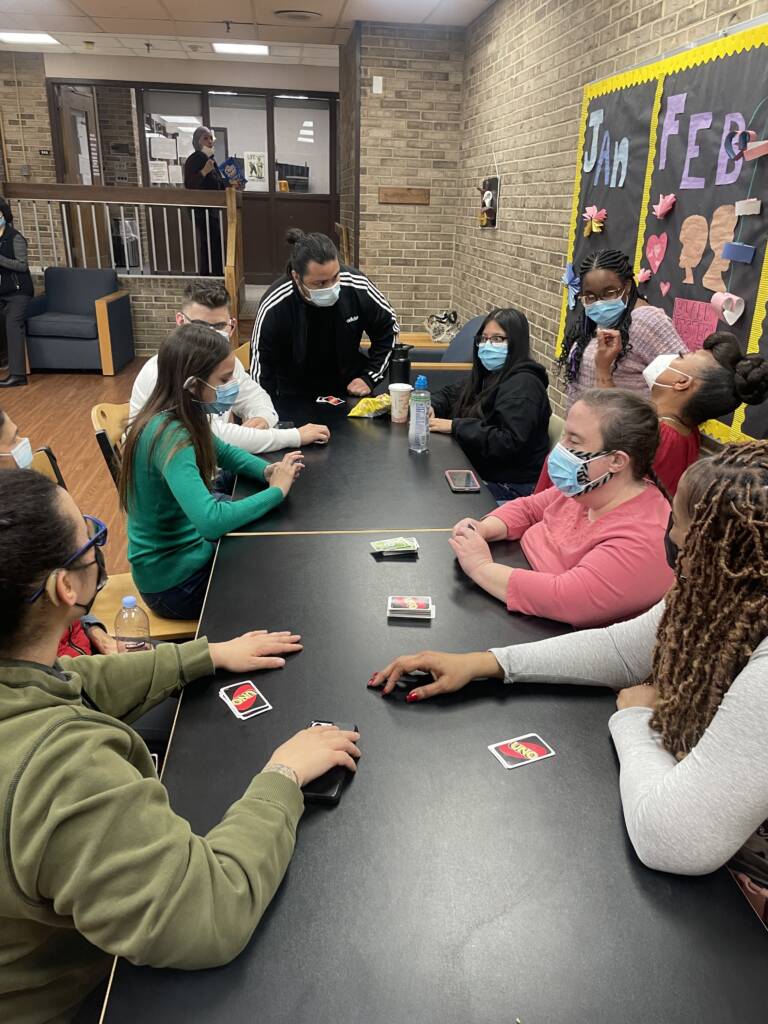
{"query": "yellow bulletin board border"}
[(739, 42)]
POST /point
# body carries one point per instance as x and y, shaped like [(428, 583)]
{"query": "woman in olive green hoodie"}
[(95, 861)]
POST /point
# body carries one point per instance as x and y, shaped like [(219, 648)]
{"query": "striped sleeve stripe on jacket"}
[(362, 283), (269, 302)]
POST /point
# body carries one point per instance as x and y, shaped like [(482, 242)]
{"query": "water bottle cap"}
[(129, 601), (421, 382)]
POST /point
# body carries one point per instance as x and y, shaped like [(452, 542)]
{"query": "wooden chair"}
[(109, 424), (243, 353), (109, 601), (44, 462)]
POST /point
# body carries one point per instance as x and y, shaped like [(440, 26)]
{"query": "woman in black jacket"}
[(15, 292), (500, 414)]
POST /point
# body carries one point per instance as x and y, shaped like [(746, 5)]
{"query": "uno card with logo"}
[(521, 750), (331, 400), (244, 700)]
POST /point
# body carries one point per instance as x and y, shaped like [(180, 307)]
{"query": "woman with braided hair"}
[(691, 731), (612, 326)]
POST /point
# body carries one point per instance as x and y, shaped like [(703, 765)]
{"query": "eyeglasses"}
[(97, 538), (610, 293), (221, 325), (493, 339)]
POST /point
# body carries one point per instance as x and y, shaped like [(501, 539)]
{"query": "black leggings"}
[(14, 311)]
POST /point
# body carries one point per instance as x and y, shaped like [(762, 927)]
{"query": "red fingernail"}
[(412, 697)]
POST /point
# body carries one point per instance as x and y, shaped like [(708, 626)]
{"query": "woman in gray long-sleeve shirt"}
[(691, 731), (16, 290)]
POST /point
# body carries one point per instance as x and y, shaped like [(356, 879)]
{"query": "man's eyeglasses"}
[(97, 538), (221, 325)]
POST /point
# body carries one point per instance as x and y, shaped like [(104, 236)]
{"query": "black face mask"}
[(670, 547), (101, 578)]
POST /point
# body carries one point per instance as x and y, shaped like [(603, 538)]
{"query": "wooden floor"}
[(55, 410)]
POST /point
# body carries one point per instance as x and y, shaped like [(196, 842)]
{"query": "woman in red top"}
[(689, 388)]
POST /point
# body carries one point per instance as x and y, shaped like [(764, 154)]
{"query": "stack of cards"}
[(411, 607), (244, 700), (521, 750), (330, 400), (396, 546)]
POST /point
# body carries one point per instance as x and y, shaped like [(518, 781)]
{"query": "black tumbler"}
[(400, 367)]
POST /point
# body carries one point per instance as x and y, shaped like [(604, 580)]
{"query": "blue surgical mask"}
[(606, 312), (2, 222), (568, 470), (491, 356), (325, 296), (21, 453), (226, 396)]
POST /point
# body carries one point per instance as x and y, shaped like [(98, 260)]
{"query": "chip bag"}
[(369, 408)]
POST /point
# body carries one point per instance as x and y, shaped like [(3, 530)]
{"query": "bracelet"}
[(281, 769)]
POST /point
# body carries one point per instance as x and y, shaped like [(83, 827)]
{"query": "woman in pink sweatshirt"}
[(595, 541)]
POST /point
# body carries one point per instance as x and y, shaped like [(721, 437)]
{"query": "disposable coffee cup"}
[(401, 396)]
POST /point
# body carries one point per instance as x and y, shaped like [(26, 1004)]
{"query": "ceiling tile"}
[(136, 27), (53, 7), (217, 32), (404, 11), (52, 23), (150, 9), (290, 34), (329, 11), (457, 12), (204, 10)]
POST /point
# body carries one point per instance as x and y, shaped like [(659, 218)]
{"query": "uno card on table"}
[(407, 607), (244, 700), (331, 400), (521, 750)]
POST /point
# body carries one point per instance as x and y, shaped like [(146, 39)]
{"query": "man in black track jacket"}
[(306, 339)]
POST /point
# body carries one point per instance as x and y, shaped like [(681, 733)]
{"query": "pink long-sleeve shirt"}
[(587, 573)]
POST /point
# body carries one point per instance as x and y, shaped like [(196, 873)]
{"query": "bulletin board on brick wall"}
[(689, 126)]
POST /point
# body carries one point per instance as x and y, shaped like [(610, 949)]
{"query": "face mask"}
[(568, 470), (226, 396), (657, 366), (606, 312), (21, 453), (491, 356), (325, 296), (208, 150), (2, 222), (101, 579)]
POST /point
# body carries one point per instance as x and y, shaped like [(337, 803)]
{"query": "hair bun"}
[(294, 235), (751, 379)]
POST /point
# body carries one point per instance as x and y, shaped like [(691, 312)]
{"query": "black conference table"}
[(442, 888), (366, 478)]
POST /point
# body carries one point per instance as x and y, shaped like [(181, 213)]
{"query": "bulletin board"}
[(676, 128)]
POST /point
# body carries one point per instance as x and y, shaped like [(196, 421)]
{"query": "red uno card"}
[(244, 700), (521, 750), (331, 400)]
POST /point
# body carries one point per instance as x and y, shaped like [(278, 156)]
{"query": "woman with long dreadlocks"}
[(692, 674), (613, 326)]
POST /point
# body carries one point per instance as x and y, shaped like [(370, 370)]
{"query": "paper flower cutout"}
[(593, 220), (664, 205), (644, 275), (572, 282)]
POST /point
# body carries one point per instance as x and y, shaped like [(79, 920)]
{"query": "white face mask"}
[(21, 453), (656, 367)]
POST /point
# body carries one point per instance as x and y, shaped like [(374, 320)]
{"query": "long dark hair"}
[(482, 384), (307, 248), (190, 351), (581, 329), (737, 378), (36, 538)]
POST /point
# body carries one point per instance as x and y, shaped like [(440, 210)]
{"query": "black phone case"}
[(327, 789)]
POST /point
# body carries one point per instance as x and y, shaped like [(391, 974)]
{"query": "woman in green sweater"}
[(169, 462)]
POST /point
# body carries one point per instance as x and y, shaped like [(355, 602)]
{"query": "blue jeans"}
[(185, 600), (508, 492)]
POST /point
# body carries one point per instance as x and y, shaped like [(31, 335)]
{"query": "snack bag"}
[(370, 407)]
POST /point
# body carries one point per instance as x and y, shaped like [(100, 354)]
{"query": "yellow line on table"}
[(325, 533)]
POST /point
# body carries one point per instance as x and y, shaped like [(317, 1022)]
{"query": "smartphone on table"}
[(462, 481), (326, 789)]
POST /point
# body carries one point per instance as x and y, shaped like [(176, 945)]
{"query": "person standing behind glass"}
[(16, 290), (201, 172)]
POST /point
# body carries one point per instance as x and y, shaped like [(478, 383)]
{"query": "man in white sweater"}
[(208, 303)]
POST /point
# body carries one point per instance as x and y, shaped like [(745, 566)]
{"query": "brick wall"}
[(26, 126), (117, 125), (410, 137), (526, 64), (349, 168)]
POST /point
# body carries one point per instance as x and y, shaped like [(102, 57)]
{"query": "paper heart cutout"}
[(655, 248), (664, 286), (730, 307)]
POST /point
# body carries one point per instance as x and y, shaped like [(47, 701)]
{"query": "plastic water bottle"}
[(418, 424), (132, 627)]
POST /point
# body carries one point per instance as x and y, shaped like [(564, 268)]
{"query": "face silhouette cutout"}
[(721, 231), (693, 241)]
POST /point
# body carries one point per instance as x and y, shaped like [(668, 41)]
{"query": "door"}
[(81, 152)]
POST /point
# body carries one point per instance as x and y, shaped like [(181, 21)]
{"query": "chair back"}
[(460, 349), (44, 462), (556, 426), (75, 290), (109, 422), (243, 353)]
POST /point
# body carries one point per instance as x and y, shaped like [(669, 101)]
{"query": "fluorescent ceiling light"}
[(306, 131), (308, 124), (174, 119), (215, 92), (29, 37), (251, 49), (303, 138), (291, 97)]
